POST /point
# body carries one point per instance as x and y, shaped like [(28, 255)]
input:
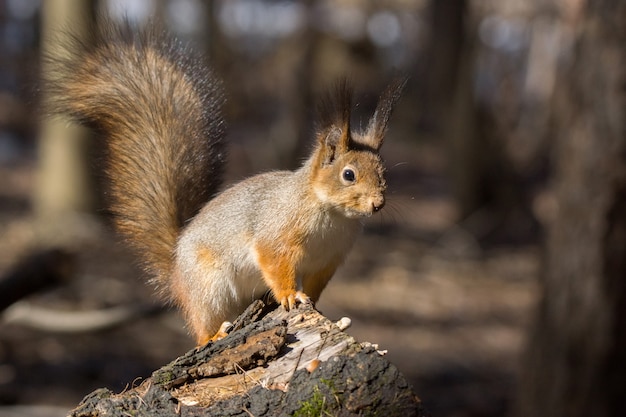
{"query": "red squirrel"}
[(158, 110)]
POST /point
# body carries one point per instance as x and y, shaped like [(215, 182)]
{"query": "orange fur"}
[(278, 267), (205, 257)]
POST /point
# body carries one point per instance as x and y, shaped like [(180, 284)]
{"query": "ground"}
[(451, 312)]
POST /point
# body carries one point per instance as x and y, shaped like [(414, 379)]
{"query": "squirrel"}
[(210, 252)]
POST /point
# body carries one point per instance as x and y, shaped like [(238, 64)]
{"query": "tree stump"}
[(273, 363)]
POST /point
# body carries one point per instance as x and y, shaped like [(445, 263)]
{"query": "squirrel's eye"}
[(348, 175)]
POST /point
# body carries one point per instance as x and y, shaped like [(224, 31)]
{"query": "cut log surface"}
[(273, 363)]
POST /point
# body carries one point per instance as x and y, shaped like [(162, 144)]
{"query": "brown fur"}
[(158, 109)]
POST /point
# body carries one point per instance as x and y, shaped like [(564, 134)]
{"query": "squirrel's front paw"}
[(290, 300)]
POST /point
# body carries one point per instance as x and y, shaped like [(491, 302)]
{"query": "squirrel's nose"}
[(378, 203)]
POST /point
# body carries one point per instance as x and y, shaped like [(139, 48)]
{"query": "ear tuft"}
[(334, 112), (334, 109), (377, 127)]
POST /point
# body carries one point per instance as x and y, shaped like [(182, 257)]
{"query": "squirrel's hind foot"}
[(221, 333)]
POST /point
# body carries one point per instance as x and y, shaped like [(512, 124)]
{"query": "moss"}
[(329, 383), (323, 402), (167, 376), (315, 406)]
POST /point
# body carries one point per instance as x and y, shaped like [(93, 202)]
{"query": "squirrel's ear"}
[(334, 120), (375, 134)]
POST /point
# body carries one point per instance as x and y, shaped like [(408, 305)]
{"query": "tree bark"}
[(273, 363), (576, 359)]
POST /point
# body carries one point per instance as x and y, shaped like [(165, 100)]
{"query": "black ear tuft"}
[(378, 123), (334, 112)]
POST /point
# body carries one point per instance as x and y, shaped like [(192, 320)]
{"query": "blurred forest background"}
[(495, 275)]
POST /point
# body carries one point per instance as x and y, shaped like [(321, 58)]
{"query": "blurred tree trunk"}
[(575, 364), (449, 92), (484, 183), (473, 151), (447, 41), (64, 183)]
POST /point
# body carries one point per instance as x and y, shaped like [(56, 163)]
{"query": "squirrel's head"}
[(348, 172)]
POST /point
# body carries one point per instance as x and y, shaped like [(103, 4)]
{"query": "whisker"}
[(399, 164)]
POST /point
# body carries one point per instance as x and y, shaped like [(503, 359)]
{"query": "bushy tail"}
[(158, 110)]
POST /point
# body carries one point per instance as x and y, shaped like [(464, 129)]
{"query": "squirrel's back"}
[(159, 108)]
